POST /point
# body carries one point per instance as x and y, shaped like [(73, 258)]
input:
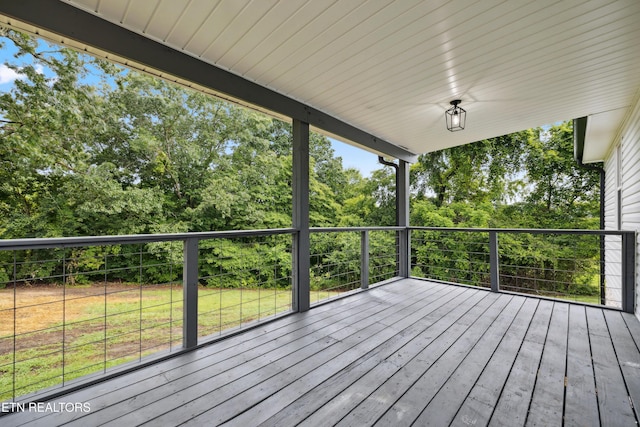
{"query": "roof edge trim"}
[(579, 136)]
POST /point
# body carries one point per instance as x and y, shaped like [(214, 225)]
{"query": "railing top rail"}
[(343, 229), (41, 243), (62, 242), (527, 230)]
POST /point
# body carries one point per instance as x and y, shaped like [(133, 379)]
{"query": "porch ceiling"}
[(390, 67)]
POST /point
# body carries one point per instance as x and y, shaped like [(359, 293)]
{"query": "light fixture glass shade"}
[(456, 116)]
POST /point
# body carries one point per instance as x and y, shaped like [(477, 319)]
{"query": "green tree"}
[(47, 125), (483, 171), (560, 193), (369, 201)]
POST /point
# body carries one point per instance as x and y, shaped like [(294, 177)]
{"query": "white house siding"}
[(613, 281), (629, 164)]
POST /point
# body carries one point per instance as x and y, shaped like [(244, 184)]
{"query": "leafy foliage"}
[(90, 149), (524, 180)]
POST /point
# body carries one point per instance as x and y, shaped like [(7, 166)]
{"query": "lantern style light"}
[(455, 116)]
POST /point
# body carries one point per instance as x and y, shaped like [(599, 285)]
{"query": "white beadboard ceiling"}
[(390, 67)]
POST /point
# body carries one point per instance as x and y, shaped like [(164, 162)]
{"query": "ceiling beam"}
[(72, 23)]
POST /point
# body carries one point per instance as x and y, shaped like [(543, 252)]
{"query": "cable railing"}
[(70, 307), (451, 256), (587, 266), (346, 259)]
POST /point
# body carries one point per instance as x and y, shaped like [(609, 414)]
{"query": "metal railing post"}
[(301, 244), (403, 253), (494, 261), (403, 192), (190, 293), (628, 271), (408, 231), (364, 259)]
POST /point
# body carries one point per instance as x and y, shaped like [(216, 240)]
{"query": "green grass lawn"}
[(588, 299), (104, 329)]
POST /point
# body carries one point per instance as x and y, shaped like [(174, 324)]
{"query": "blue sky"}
[(7, 75), (352, 157)]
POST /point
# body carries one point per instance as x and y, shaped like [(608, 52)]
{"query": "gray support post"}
[(364, 259), (190, 293), (494, 261), (408, 231), (301, 248), (402, 193), (628, 271)]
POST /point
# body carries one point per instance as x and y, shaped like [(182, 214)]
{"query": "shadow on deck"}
[(410, 352)]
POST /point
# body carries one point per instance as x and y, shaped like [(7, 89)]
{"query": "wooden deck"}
[(408, 353)]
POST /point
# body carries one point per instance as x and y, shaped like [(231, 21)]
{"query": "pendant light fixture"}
[(455, 116)]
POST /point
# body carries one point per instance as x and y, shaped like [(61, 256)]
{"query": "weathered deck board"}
[(442, 409), (613, 400), (581, 405), (627, 354), (407, 353), (319, 396), (215, 387), (423, 390), (513, 404), (478, 406), (340, 405), (321, 367), (548, 395), (271, 336)]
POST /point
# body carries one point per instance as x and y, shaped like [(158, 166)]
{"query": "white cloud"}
[(7, 75)]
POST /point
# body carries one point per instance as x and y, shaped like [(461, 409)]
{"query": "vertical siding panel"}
[(630, 149), (613, 282)]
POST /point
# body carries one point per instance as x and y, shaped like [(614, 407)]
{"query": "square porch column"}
[(300, 187), (402, 193)]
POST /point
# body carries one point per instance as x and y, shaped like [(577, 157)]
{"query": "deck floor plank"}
[(340, 405), (411, 352), (369, 410), (276, 398), (633, 325), (513, 404), (441, 410), (215, 388), (613, 400), (195, 369), (481, 400), (267, 336), (581, 404), (627, 354), (409, 406), (303, 406), (547, 402)]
